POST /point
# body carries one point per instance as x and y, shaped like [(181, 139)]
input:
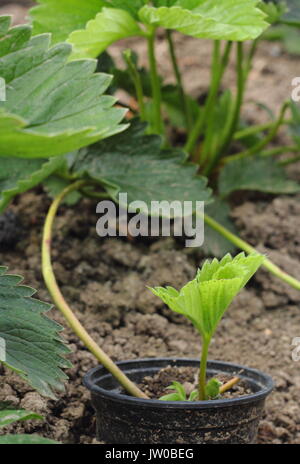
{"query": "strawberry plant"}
[(214, 129)]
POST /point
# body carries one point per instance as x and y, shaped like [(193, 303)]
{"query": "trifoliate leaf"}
[(18, 175), (109, 26), (52, 107), (205, 299), (223, 20), (255, 173), (9, 416), (135, 163), (212, 389), (92, 28), (26, 440), (33, 346)]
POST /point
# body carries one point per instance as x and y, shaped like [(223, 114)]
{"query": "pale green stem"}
[(239, 243)]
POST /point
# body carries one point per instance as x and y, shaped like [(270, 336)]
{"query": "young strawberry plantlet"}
[(205, 299)]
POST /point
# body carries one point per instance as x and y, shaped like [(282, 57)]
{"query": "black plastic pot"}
[(125, 419)]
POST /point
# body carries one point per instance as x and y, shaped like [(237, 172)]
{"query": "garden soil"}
[(104, 281)]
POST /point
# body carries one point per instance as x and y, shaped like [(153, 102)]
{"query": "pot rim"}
[(261, 394)]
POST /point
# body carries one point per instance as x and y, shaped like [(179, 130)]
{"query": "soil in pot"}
[(155, 386)]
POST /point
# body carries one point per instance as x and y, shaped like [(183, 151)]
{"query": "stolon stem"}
[(238, 242), (62, 305)]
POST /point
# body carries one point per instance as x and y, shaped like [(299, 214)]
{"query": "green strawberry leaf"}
[(26, 440), (212, 389), (135, 163), (255, 173), (178, 395), (61, 17), (109, 26), (33, 346), (205, 299), (171, 397), (9, 416), (19, 175), (295, 123), (131, 6), (54, 185), (193, 396), (52, 107), (224, 20)]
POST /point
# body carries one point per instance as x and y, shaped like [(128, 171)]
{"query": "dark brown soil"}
[(156, 386)]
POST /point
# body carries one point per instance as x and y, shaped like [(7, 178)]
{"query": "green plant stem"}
[(217, 74), (155, 84), (202, 372), (239, 243), (62, 305), (241, 84), (262, 143), (183, 98), (280, 150), (136, 78), (288, 161)]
